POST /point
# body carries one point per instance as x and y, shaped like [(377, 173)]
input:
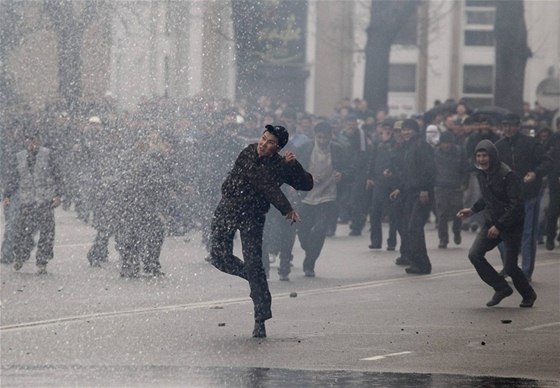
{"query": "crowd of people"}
[(156, 172)]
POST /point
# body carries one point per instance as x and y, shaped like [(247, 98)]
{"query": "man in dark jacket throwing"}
[(247, 192), (502, 202)]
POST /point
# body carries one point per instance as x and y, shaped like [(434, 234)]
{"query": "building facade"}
[(179, 49)]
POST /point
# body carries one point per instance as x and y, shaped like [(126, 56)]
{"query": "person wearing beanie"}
[(414, 197), (247, 192), (502, 203)]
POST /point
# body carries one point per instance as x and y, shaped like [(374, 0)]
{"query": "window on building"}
[(477, 102), (402, 78), (478, 79), (408, 33), (479, 23), (479, 38)]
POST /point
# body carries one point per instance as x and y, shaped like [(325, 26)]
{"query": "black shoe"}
[(442, 245), (371, 246), (529, 300), (355, 233), (549, 244), (474, 228), (284, 278), (309, 273), (457, 239), (402, 261), (417, 271), (260, 330), (499, 295), (156, 272), (390, 248)]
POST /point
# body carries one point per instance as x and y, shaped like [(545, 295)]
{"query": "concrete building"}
[(449, 52), (179, 49)]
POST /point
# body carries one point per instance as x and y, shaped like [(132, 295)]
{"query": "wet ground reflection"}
[(163, 376)]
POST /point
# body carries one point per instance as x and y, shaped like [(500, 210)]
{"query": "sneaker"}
[(499, 296), (309, 273), (528, 301), (18, 265), (259, 331), (156, 273), (402, 261), (284, 278), (457, 239), (41, 269), (416, 271)]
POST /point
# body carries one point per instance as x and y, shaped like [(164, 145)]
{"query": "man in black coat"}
[(415, 196), (553, 152), (247, 192), (526, 157), (381, 180), (502, 204)]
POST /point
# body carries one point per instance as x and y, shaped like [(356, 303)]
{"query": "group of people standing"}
[(151, 180)]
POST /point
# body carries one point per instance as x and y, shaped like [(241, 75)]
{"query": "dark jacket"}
[(419, 170), (523, 154), (254, 183), (501, 192), (382, 158), (451, 167), (552, 148)]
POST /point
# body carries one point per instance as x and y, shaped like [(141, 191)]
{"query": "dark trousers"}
[(413, 217), (224, 226), (10, 220), (553, 208), (448, 202), (32, 219), (140, 241), (360, 203), (279, 238), (381, 206), (312, 230), (512, 245), (99, 251)]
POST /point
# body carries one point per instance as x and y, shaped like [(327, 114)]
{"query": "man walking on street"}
[(416, 193), (36, 178), (247, 192), (502, 203), (525, 155)]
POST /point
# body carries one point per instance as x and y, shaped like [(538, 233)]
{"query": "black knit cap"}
[(280, 132), (410, 124)]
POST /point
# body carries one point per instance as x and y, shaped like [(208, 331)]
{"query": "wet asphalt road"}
[(360, 322)]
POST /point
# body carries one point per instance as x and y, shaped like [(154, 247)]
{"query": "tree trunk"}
[(387, 18), (248, 21), (69, 29), (512, 53)]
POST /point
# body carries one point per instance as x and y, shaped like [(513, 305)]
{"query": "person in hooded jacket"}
[(247, 192), (502, 203)]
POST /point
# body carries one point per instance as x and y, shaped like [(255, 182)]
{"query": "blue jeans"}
[(529, 237), (511, 245)]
